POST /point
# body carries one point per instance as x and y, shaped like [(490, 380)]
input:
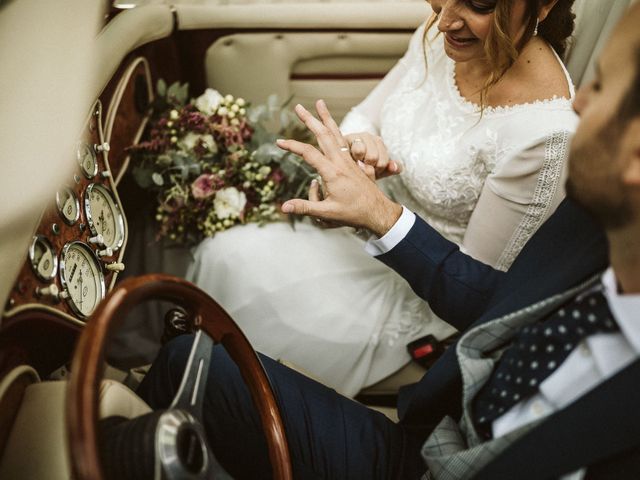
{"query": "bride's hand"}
[(371, 150), (349, 197)]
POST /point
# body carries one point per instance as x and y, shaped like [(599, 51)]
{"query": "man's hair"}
[(630, 105)]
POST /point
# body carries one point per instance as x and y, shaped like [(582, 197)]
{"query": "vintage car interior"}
[(76, 236)]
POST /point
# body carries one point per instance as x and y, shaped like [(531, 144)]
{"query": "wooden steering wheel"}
[(208, 317)]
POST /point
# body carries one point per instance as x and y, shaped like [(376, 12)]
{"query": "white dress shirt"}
[(593, 360)]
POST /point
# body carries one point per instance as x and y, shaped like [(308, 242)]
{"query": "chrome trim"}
[(63, 281), (169, 464), (79, 160), (117, 214), (60, 207), (54, 256)]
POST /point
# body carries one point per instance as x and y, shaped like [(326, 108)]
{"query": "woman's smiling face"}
[(466, 24)]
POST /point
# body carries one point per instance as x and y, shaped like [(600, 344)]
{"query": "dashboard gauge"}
[(43, 259), (81, 278), (87, 160), (68, 205), (104, 216)]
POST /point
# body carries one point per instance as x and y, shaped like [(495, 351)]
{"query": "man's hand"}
[(348, 196)]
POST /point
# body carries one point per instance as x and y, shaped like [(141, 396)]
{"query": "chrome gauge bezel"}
[(119, 218), (63, 280), (60, 206), (54, 257), (94, 171)]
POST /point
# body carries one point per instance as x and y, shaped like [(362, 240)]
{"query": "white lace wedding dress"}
[(486, 182)]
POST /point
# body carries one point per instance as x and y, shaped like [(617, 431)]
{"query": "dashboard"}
[(77, 250), (76, 253)]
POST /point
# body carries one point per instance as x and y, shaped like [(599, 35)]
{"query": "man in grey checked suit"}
[(545, 391)]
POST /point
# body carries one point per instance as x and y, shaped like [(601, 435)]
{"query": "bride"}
[(475, 118)]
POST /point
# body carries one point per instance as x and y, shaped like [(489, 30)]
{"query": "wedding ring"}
[(344, 149)]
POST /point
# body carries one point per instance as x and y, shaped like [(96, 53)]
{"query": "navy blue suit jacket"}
[(567, 249)]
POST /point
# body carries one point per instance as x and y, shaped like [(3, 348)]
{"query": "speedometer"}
[(81, 278), (104, 216)]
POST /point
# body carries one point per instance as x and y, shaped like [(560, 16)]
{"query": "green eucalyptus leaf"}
[(157, 179), (285, 119), (161, 88), (142, 176), (257, 114), (268, 152), (182, 93), (164, 160)]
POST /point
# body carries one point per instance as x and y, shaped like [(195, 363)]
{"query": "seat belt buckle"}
[(425, 350)]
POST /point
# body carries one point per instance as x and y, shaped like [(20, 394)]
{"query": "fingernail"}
[(300, 107), (287, 208), (361, 165), (393, 166), (321, 102), (314, 183)]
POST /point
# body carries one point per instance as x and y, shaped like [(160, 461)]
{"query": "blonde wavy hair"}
[(502, 51)]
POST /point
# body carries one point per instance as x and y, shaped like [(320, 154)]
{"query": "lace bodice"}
[(513, 158)]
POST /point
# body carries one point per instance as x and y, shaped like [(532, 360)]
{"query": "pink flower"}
[(204, 186)]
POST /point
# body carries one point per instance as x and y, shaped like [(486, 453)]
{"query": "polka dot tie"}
[(536, 352)]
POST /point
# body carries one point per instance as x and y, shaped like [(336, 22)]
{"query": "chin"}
[(459, 56)]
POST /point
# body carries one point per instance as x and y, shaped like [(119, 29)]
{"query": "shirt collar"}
[(624, 307)]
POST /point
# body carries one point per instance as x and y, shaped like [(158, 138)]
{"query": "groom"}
[(543, 382)]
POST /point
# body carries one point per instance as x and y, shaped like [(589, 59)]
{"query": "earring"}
[(535, 30)]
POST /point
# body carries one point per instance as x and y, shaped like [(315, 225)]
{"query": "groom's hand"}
[(348, 196)]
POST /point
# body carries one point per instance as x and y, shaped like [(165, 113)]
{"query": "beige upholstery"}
[(127, 31), (234, 63), (346, 65), (316, 15), (595, 19), (38, 449), (44, 98)]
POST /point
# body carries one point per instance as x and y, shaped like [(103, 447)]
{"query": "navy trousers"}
[(330, 436)]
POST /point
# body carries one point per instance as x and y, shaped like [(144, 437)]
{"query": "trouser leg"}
[(330, 436)]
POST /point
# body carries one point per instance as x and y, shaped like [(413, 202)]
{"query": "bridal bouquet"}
[(213, 162)]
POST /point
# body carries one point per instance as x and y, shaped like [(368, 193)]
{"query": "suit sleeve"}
[(457, 287)]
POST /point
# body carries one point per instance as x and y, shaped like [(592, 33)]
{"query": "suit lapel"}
[(597, 426)]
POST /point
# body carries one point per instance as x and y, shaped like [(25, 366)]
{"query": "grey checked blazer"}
[(455, 451)]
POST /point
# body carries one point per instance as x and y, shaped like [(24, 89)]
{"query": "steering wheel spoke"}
[(213, 325), (190, 395)]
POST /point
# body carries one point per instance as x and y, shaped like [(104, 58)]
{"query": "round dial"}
[(103, 216), (87, 160), (42, 258), (81, 278), (68, 205)]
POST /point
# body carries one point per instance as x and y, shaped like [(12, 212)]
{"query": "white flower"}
[(209, 101), (173, 114), (190, 140), (209, 143), (241, 101), (228, 98), (223, 111), (229, 203)]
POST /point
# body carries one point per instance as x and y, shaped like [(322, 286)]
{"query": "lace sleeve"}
[(365, 117), (516, 200)]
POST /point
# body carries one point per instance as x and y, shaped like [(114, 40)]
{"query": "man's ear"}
[(631, 173)]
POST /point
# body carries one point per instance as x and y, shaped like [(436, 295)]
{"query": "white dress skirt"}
[(315, 298)]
